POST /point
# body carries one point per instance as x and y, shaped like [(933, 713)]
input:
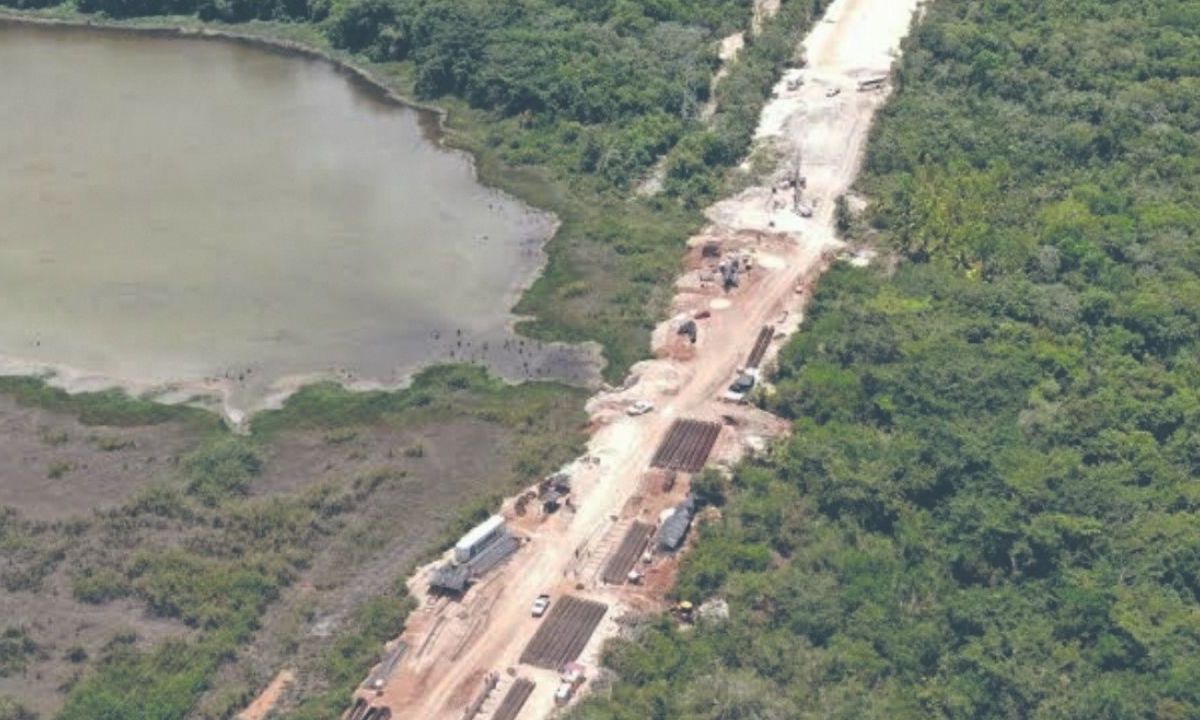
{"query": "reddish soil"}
[(565, 554)]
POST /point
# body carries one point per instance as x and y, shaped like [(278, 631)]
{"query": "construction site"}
[(512, 620)]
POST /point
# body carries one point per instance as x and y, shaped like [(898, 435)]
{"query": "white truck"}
[(572, 676), (478, 538)]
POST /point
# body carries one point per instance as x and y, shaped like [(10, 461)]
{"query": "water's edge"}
[(278, 45), (431, 119)]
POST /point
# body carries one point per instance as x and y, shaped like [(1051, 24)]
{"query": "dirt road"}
[(268, 697), (818, 115)]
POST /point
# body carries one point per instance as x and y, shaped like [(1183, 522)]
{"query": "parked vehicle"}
[(742, 386), (572, 676), (478, 538), (563, 694), (541, 605), (641, 407)]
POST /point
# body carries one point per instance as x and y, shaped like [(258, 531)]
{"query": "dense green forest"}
[(990, 505), (571, 104)]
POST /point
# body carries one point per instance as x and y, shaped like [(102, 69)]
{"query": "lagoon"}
[(206, 215)]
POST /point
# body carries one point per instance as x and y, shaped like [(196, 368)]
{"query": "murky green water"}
[(182, 209)]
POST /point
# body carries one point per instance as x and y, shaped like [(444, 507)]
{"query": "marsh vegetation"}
[(183, 593)]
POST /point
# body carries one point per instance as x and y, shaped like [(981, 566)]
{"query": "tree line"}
[(988, 507), (573, 104)]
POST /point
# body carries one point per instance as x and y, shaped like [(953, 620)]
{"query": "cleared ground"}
[(818, 115)]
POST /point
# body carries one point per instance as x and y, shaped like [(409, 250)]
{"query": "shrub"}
[(59, 468), (12, 710), (224, 468), (16, 647), (99, 586)]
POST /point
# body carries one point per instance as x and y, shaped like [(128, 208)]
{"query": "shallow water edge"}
[(579, 364)]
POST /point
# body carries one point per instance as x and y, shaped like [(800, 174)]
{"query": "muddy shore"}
[(221, 394)]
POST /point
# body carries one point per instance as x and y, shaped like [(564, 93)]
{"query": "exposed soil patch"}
[(427, 476), (54, 467), (820, 122), (68, 635), (439, 452)]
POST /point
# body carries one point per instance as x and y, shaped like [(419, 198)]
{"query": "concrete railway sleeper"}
[(627, 553), (694, 449), (545, 643), (564, 634), (666, 449), (760, 346), (687, 446), (572, 642), (514, 700), (699, 456)]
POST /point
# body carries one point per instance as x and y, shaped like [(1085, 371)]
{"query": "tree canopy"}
[(988, 506)]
